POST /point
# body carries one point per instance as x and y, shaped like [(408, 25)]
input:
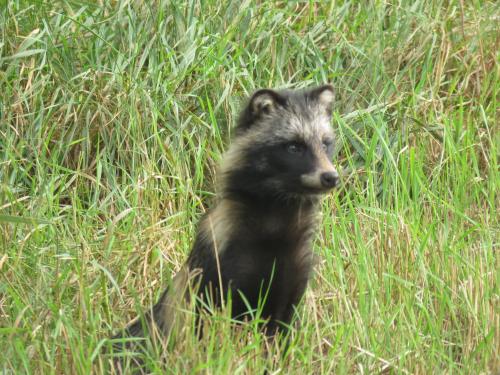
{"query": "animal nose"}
[(329, 179)]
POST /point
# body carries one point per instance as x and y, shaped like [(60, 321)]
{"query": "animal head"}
[(283, 145)]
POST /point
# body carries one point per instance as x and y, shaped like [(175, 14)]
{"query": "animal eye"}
[(326, 144), (295, 148)]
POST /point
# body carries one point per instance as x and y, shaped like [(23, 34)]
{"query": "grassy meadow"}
[(114, 116)]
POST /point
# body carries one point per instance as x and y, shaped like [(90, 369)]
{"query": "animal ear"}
[(262, 103), (324, 96), (265, 101)]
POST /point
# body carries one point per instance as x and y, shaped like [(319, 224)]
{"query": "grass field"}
[(113, 119)]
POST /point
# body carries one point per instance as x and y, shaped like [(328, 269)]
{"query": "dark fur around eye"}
[(295, 147)]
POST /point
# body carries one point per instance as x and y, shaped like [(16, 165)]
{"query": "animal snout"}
[(329, 179)]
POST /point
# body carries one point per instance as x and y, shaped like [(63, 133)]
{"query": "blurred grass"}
[(114, 116)]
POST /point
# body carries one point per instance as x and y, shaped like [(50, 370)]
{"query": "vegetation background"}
[(114, 116)]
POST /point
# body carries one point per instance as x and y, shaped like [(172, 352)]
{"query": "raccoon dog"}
[(255, 244)]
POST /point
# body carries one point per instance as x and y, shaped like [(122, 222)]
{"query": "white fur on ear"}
[(265, 101), (325, 96)]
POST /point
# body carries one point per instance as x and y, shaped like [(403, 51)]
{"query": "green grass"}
[(113, 119)]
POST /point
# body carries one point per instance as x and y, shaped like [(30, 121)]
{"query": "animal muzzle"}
[(329, 179), (320, 180)]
